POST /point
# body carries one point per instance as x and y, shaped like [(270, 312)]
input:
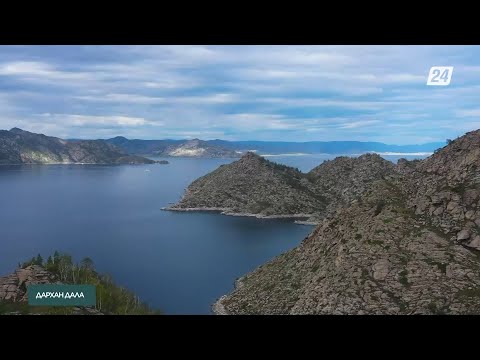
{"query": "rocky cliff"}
[(407, 243), (22, 147)]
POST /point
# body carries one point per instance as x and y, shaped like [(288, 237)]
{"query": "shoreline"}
[(218, 308), (228, 212)]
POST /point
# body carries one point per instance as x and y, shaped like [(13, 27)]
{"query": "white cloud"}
[(143, 99), (352, 92), (357, 124), (252, 121), (31, 70), (89, 120), (123, 98)]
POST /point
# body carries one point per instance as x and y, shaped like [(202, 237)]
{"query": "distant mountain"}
[(326, 147), (408, 242), (223, 148), (184, 148), (198, 148), (142, 147), (22, 147)]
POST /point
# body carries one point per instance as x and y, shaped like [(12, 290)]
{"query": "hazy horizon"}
[(219, 139)]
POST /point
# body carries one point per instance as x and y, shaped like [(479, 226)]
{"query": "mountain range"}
[(224, 148), (22, 147), (390, 238)]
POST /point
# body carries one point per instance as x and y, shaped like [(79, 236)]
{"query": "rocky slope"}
[(253, 185), (22, 147), (344, 179), (408, 244)]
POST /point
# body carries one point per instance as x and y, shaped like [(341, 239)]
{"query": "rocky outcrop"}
[(344, 179), (256, 186), (253, 185), (405, 243), (22, 147), (13, 288), (444, 189)]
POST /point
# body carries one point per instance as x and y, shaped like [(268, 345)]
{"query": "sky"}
[(272, 93)]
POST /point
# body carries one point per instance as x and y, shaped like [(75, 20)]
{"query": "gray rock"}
[(470, 214), (475, 243), (380, 269), (452, 206), (463, 235), (470, 196)]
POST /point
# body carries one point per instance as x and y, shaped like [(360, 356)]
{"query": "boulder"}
[(380, 269), (463, 235), (475, 243), (470, 196)]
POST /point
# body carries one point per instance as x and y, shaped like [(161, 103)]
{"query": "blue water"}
[(177, 262)]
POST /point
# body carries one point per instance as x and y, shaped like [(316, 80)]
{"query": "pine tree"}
[(49, 263), (39, 260), (56, 257), (87, 263)]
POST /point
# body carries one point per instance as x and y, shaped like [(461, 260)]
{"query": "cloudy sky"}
[(283, 93)]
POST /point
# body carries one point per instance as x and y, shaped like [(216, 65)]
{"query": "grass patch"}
[(375, 242), (441, 266), (387, 221), (403, 278), (268, 287), (471, 293), (379, 207), (403, 260), (433, 308)]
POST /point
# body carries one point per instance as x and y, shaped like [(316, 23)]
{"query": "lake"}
[(177, 262)]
